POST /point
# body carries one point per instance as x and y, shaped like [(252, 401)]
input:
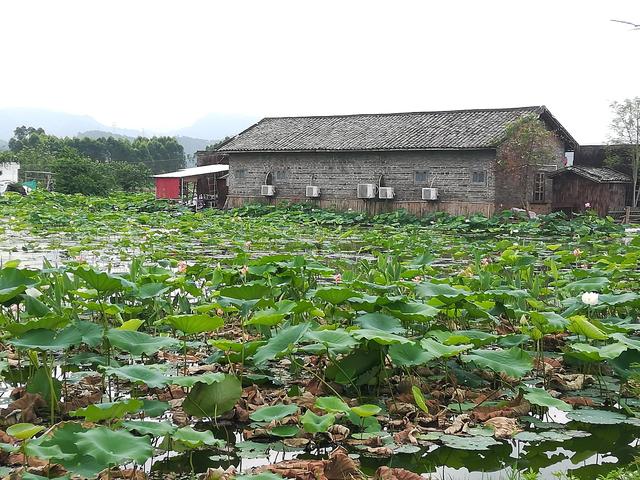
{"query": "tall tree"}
[(625, 130), (527, 146)]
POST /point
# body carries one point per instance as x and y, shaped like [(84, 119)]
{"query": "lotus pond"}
[(142, 340)]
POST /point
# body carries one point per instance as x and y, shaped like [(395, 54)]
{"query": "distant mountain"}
[(212, 127), (4, 145), (102, 134), (56, 123), (192, 145)]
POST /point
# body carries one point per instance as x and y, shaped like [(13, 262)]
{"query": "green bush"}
[(82, 175)]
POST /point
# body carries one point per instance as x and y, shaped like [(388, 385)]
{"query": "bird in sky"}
[(635, 26)]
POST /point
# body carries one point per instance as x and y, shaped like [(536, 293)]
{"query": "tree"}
[(75, 174), (625, 130), (527, 146), (25, 137), (130, 177)]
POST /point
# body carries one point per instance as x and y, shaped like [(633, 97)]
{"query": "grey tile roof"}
[(595, 174), (456, 129)]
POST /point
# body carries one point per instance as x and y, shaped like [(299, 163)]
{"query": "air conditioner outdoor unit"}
[(366, 190), (313, 191), (386, 193), (430, 194), (268, 190)]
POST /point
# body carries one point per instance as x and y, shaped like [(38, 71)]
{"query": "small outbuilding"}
[(580, 188), (201, 186), (8, 174)]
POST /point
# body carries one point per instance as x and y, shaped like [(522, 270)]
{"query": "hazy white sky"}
[(162, 64)]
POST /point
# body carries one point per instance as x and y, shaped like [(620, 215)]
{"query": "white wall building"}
[(8, 174)]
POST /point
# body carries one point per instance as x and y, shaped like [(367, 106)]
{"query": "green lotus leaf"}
[(191, 438), (274, 412), (13, 282), (380, 321), (212, 400), (332, 404), (131, 325), (529, 437), (594, 284), (146, 374), (48, 340), (468, 443), (146, 427), (103, 282), (246, 292), (280, 343), (442, 291), (154, 408), (379, 336), (108, 411), (190, 381), (151, 290), (540, 397), (192, 324), (259, 476), (409, 354), (412, 311), (284, 431), (337, 341), (514, 362), (580, 325), (441, 350), (313, 423), (114, 447), (629, 342), (24, 431), (336, 295), (366, 410), (590, 353), (419, 399), (138, 343), (597, 417)]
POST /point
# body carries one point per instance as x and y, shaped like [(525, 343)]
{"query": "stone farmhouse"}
[(422, 162)]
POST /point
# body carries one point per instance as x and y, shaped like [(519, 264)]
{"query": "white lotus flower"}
[(590, 298)]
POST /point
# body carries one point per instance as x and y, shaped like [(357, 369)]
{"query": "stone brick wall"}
[(337, 174)]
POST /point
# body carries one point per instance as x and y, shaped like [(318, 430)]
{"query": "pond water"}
[(585, 457)]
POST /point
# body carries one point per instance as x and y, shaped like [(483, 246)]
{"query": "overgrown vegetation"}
[(172, 341), (93, 166)]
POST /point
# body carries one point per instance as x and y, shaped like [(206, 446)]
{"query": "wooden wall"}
[(571, 192), (374, 206)]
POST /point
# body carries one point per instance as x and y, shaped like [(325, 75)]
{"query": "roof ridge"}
[(506, 109)]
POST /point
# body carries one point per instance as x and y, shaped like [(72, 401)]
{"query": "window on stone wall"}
[(240, 174), (479, 177), (420, 176), (539, 182), (280, 175)]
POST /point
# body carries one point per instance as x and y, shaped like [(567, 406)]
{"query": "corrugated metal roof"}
[(457, 129), (595, 174), (195, 171)]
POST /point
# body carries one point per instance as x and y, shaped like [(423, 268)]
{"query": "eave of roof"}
[(594, 174), (472, 129)]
